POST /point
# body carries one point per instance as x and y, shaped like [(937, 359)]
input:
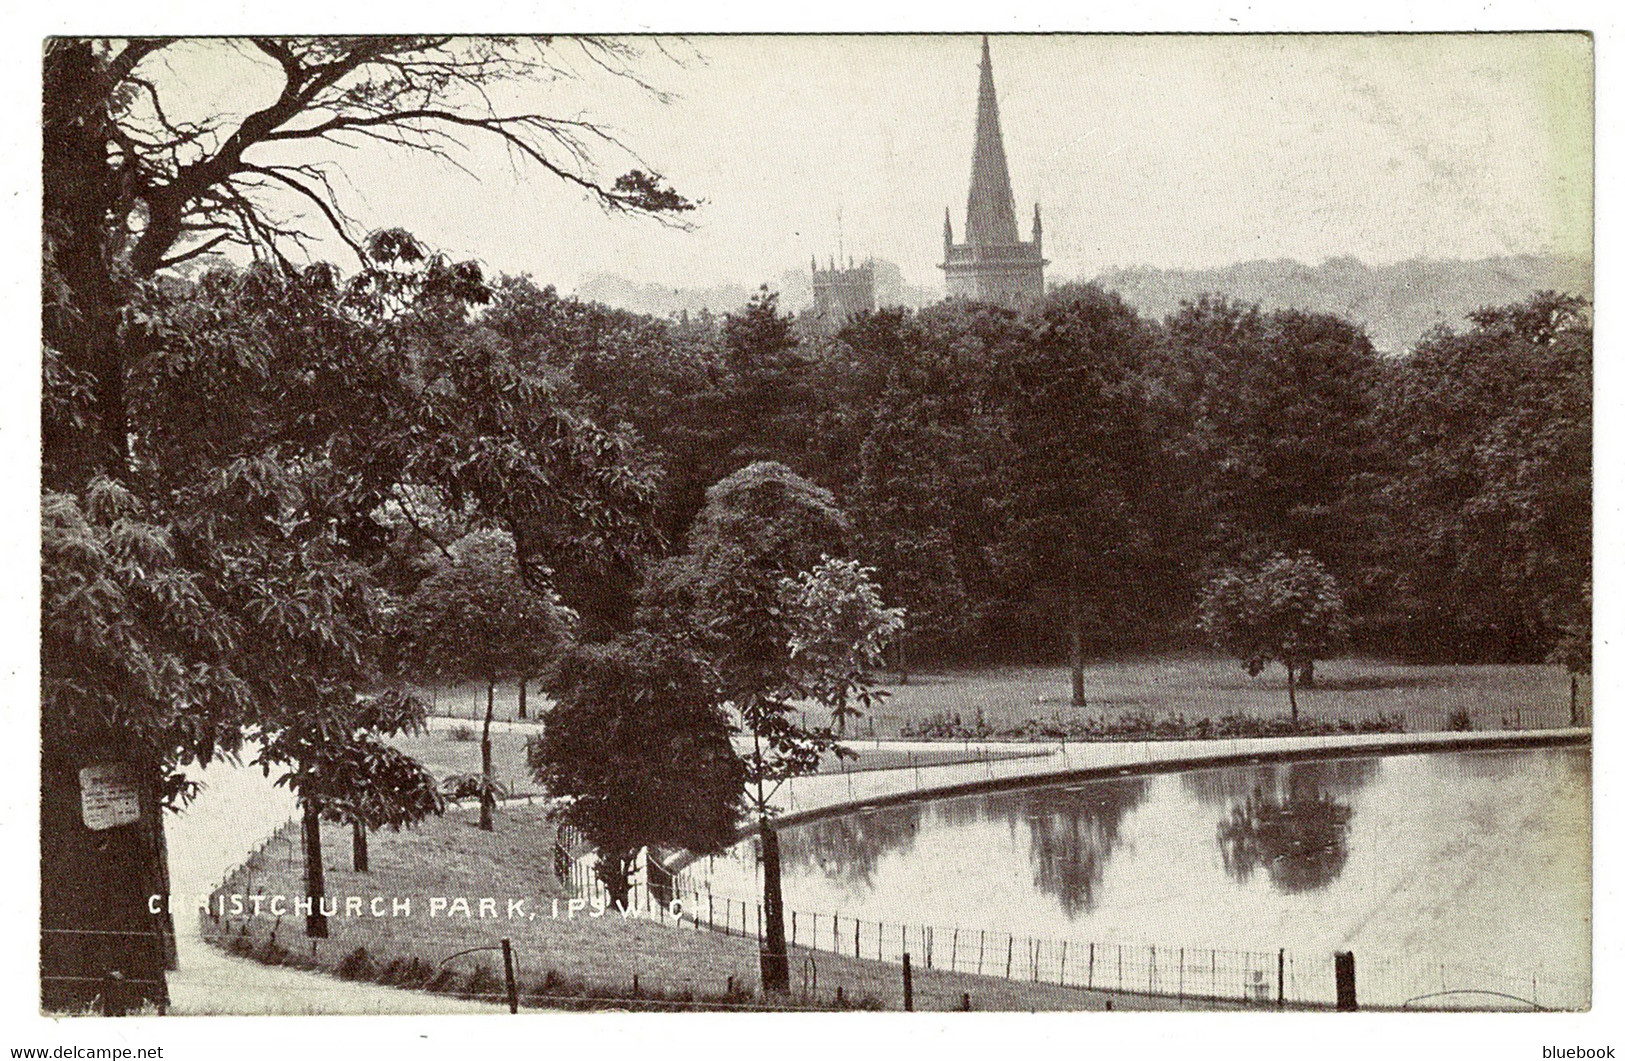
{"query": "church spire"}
[(990, 215)]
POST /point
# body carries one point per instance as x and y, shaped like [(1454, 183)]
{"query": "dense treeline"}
[(1066, 480)]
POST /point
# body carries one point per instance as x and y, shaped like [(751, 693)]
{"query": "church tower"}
[(993, 264)]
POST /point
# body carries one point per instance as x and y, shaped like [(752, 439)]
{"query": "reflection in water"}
[(1073, 834), (847, 849), (1232, 785), (1468, 861), (1298, 833)]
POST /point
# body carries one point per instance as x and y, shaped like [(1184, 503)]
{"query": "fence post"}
[(981, 949), (792, 928), (908, 985), (1280, 978), (1090, 982), (1062, 977), (1346, 1000), (507, 973), (1009, 957)]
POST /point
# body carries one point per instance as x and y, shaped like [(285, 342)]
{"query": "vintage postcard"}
[(926, 522)]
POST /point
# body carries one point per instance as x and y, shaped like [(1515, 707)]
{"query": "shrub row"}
[(950, 726)]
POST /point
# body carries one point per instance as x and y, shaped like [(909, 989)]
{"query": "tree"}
[(637, 746), (475, 619), (760, 525), (342, 770), (1287, 609), (134, 184), (206, 582), (1274, 422), (839, 629), (1493, 546), (1083, 460), (929, 504)]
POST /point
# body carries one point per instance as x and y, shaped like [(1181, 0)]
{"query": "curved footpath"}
[(823, 795), (237, 809)]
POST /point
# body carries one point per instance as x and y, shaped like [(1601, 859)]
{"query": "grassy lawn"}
[(1494, 696), (559, 960)]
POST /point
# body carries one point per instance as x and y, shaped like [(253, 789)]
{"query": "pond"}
[(1443, 872)]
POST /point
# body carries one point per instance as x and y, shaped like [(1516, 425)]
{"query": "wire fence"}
[(1248, 977), (1279, 978), (498, 972)]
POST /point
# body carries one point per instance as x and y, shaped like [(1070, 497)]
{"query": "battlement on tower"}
[(839, 294)]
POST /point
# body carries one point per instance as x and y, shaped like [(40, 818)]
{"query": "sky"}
[(1160, 150)]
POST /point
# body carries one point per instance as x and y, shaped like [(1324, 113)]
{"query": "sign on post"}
[(108, 797)]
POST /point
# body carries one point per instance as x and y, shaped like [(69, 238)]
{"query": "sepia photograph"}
[(822, 522)]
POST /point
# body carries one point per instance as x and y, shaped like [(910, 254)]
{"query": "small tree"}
[(1573, 648), (1287, 609), (637, 743), (341, 770), (732, 596), (839, 630), (476, 619)]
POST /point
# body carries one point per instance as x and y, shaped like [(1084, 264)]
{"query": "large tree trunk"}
[(100, 942), (358, 847), (775, 953), (1306, 674), (485, 758), (315, 880), (523, 683), (81, 191), (1074, 632), (166, 918)]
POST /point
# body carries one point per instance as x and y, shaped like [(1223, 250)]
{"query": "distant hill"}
[(1397, 303)]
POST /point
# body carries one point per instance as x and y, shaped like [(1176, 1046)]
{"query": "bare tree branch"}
[(202, 248), (419, 93)]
